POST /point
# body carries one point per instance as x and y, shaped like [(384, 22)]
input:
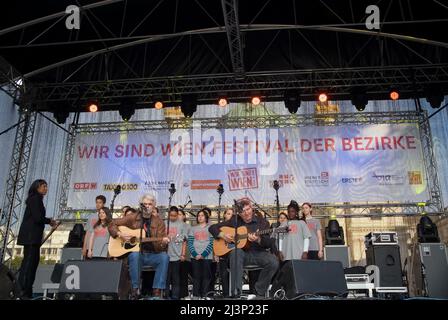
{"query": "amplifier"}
[(381, 238)]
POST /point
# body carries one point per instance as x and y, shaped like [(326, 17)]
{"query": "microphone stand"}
[(234, 291), (172, 191), (277, 202), (140, 257), (117, 191), (220, 191)]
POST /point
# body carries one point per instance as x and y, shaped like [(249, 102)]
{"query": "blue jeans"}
[(158, 261)]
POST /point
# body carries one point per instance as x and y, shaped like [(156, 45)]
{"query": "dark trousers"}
[(224, 275), (313, 255), (173, 279), (201, 276), (185, 270), (265, 260), (213, 267), (28, 268)]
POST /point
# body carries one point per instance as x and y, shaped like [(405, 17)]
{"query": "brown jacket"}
[(134, 221)]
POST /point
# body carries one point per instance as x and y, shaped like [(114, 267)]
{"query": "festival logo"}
[(352, 180), (205, 184), (284, 179), (124, 186), (242, 179), (322, 180), (84, 186), (158, 185), (415, 177), (388, 179)]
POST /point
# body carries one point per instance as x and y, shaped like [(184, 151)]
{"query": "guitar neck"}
[(258, 233)]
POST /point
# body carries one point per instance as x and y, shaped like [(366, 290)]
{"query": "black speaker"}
[(9, 287), (93, 279), (387, 258), (297, 277)]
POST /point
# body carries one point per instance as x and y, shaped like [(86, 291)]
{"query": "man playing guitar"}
[(254, 254), (153, 253)]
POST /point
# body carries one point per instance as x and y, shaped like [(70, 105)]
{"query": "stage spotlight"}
[(434, 96), (93, 107), (158, 105), (292, 101), (359, 99), (61, 116), (255, 100), (126, 110), (222, 102), (323, 97), (394, 94), (188, 105)]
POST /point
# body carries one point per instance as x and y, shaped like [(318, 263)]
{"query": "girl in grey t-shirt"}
[(99, 240), (316, 247)]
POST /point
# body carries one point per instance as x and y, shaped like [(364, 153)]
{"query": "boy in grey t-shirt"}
[(177, 233)]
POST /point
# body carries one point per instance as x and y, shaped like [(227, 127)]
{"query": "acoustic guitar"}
[(119, 247), (221, 247)]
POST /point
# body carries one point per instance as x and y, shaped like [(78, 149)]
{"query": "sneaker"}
[(135, 294)]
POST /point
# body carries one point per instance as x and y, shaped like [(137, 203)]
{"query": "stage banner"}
[(319, 164)]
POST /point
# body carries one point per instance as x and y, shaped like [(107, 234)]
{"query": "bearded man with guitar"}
[(255, 250), (153, 239)]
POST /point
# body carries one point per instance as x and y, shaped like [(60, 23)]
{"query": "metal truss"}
[(277, 121), (372, 209), (10, 80), (436, 201), (231, 20), (15, 184), (338, 82), (67, 173)]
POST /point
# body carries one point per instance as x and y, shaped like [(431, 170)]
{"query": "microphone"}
[(172, 189), (117, 190), (238, 206), (220, 189), (189, 200)]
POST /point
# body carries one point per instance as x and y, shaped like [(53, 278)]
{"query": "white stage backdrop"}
[(317, 164)]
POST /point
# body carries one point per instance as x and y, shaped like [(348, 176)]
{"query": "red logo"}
[(201, 235), (85, 186), (243, 179), (204, 184)]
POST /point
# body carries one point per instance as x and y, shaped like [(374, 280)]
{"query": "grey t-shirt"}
[(100, 242), (200, 241), (293, 241), (313, 225), (89, 226), (178, 232)]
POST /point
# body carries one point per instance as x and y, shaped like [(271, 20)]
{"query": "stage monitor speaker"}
[(298, 277), (387, 259), (93, 279), (9, 286)]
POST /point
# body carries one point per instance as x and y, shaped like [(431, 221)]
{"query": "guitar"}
[(119, 247), (221, 247)]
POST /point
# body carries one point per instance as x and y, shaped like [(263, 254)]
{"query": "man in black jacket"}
[(255, 254)]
